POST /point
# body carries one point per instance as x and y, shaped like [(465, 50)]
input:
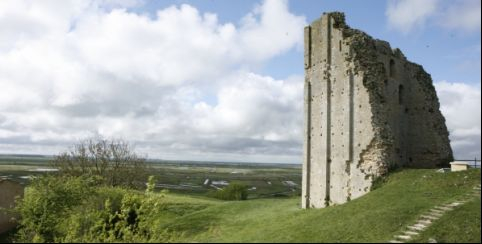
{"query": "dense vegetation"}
[(79, 209), (83, 209)]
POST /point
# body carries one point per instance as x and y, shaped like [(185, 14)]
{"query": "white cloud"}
[(464, 15), (270, 19), (120, 3), (407, 15), (176, 82), (256, 106), (460, 104)]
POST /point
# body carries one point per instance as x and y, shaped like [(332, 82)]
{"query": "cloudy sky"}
[(207, 79)]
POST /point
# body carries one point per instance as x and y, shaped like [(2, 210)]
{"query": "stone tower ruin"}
[(367, 110)]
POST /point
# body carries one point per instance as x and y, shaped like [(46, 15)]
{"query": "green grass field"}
[(375, 217)]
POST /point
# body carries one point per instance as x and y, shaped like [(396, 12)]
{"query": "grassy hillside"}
[(75, 210), (460, 225), (375, 217)]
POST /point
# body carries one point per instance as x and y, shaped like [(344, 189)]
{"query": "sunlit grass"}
[(375, 217)]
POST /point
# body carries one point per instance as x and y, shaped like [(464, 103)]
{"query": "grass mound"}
[(375, 217)]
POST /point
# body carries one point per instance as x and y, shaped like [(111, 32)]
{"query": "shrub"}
[(117, 215), (114, 161), (77, 209), (233, 192), (46, 201)]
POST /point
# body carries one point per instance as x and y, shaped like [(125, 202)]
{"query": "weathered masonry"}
[(367, 110), (9, 190)]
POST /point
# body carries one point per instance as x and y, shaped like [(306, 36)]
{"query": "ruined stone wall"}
[(367, 109), (9, 190)]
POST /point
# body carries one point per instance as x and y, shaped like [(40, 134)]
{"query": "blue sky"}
[(207, 80), (443, 52)]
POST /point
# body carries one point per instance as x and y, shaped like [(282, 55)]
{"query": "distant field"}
[(263, 180), (21, 167)]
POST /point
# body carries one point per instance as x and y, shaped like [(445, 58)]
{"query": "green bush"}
[(77, 209), (117, 215), (233, 192), (46, 201)]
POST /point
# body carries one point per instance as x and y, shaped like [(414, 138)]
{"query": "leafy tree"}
[(113, 160)]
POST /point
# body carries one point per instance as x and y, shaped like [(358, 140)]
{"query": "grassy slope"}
[(460, 225), (376, 217)]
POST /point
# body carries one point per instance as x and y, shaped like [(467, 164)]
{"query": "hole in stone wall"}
[(392, 70), (339, 45), (400, 94)]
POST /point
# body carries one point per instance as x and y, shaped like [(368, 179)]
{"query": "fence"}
[(473, 163)]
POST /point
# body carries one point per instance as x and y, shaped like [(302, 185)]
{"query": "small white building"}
[(458, 166)]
